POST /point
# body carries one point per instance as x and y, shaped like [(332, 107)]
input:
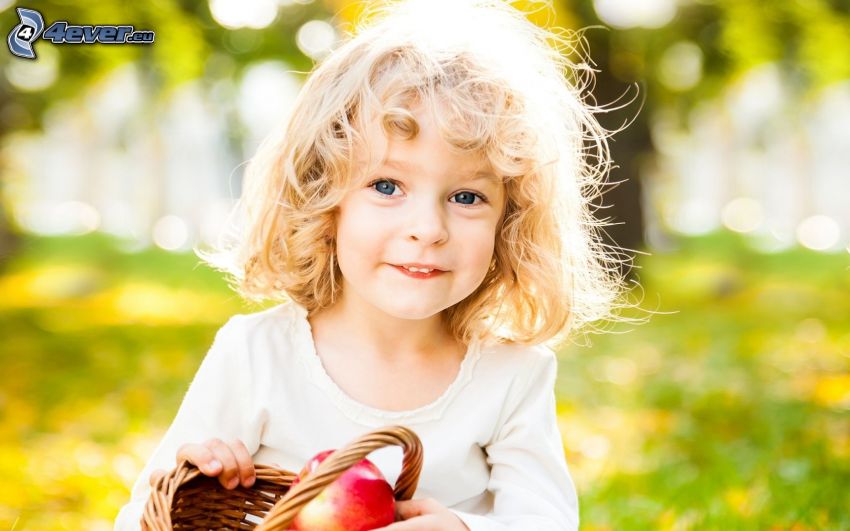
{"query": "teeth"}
[(418, 270)]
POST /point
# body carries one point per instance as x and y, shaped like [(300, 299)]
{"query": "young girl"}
[(425, 221)]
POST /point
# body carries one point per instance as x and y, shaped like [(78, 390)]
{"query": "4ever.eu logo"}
[(23, 36)]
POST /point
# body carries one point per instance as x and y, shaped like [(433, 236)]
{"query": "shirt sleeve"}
[(218, 403), (529, 478)]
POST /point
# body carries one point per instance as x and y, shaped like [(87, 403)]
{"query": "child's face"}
[(425, 209)]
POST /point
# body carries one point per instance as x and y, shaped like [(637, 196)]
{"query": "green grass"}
[(730, 412), (733, 412)]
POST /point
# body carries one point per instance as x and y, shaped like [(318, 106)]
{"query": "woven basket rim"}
[(216, 500)]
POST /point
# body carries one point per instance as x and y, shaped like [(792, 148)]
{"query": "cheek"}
[(478, 243), (358, 233)]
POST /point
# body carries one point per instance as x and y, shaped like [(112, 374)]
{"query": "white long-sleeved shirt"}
[(492, 450)]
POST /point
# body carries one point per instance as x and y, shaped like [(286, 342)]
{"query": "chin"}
[(415, 311)]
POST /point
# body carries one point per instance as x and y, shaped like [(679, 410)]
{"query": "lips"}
[(421, 266), (416, 274)]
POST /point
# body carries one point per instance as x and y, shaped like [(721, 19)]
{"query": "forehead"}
[(426, 150), (475, 170)]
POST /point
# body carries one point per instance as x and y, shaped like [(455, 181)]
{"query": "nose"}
[(428, 224)]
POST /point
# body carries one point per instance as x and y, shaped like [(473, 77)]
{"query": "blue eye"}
[(467, 195), (383, 186), (387, 188)]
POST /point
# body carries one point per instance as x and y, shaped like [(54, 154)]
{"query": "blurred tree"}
[(705, 47), (187, 38), (715, 40), (9, 239)]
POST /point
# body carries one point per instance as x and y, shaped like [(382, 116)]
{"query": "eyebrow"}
[(480, 175)]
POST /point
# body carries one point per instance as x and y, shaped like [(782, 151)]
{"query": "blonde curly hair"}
[(500, 87)]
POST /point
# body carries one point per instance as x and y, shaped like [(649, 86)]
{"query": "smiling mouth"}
[(419, 274)]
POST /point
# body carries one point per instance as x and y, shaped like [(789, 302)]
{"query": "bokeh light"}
[(595, 447), (33, 76), (60, 218), (819, 233), (693, 217), (265, 97), (170, 233), (680, 67), (232, 14), (630, 14), (315, 38), (742, 214)]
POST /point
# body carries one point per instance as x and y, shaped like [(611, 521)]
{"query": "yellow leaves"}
[(666, 520), (86, 301), (51, 479), (46, 285), (608, 441), (740, 500), (747, 500), (154, 304), (832, 390), (11, 493), (671, 520), (797, 526), (138, 399), (18, 416), (824, 48), (748, 35), (348, 11), (55, 473), (827, 390), (703, 280), (837, 435)]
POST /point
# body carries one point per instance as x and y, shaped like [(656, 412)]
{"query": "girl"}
[(423, 221)]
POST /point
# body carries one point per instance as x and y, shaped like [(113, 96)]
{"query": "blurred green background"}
[(730, 409)]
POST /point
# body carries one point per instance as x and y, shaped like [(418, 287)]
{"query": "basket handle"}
[(287, 508)]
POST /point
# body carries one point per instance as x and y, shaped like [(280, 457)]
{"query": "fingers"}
[(232, 462), (229, 477), (426, 513), (245, 463), (200, 456), (408, 509)]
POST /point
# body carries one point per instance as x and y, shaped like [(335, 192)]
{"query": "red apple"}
[(359, 500)]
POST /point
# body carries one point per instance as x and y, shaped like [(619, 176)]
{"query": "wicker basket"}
[(186, 499)]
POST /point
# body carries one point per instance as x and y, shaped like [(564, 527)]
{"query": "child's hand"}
[(424, 515), (230, 462)]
